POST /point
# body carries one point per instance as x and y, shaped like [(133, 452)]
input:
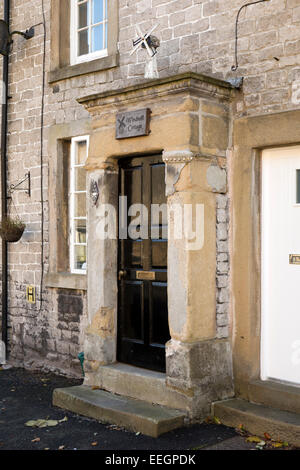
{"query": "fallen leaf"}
[(260, 445), (253, 439), (277, 444), (95, 387), (44, 423), (61, 447), (267, 436), (242, 430), (217, 420), (94, 443), (37, 439)]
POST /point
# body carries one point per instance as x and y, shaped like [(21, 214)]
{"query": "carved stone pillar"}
[(101, 333), (191, 186)]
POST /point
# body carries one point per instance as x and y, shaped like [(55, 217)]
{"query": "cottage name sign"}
[(133, 123)]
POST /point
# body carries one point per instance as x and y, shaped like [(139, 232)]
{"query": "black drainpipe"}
[(4, 182)]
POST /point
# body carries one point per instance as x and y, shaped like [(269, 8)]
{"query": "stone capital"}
[(178, 156)]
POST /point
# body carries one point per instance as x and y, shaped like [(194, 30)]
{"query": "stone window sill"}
[(93, 66), (66, 281)]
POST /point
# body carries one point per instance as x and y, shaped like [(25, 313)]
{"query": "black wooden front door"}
[(143, 306)]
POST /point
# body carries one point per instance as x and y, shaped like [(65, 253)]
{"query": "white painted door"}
[(280, 351)]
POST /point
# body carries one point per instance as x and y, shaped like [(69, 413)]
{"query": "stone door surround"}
[(189, 127)]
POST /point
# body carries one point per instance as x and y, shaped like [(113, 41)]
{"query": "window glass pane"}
[(80, 156), (83, 15), (80, 205), (78, 220), (97, 38), (80, 257), (298, 187), (80, 184), (98, 13), (80, 231), (83, 42)]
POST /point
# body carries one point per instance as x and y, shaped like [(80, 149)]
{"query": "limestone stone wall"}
[(195, 36), (199, 35)]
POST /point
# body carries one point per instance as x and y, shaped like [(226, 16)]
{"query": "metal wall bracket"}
[(236, 65), (28, 34), (15, 187)]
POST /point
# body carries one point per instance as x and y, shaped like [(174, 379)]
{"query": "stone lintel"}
[(199, 84)]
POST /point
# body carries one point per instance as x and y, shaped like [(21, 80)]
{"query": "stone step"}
[(282, 396), (135, 382), (132, 414), (259, 419)]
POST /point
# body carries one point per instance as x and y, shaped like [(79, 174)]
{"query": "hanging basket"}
[(11, 229)]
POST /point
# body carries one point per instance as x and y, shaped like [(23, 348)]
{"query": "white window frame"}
[(72, 193), (75, 59)]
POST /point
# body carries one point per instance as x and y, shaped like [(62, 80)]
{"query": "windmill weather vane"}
[(151, 43)]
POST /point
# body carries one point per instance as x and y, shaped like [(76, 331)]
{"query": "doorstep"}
[(277, 395), (259, 419), (143, 384), (134, 415)]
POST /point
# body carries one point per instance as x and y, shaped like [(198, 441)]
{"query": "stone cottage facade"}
[(210, 133)]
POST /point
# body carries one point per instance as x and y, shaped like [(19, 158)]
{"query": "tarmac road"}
[(26, 395)]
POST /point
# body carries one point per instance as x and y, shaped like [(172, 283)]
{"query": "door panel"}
[(159, 330), (143, 307), (280, 351)]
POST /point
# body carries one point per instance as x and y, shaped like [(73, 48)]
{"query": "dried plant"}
[(11, 228)]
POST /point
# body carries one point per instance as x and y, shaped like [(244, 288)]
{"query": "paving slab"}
[(135, 415)]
